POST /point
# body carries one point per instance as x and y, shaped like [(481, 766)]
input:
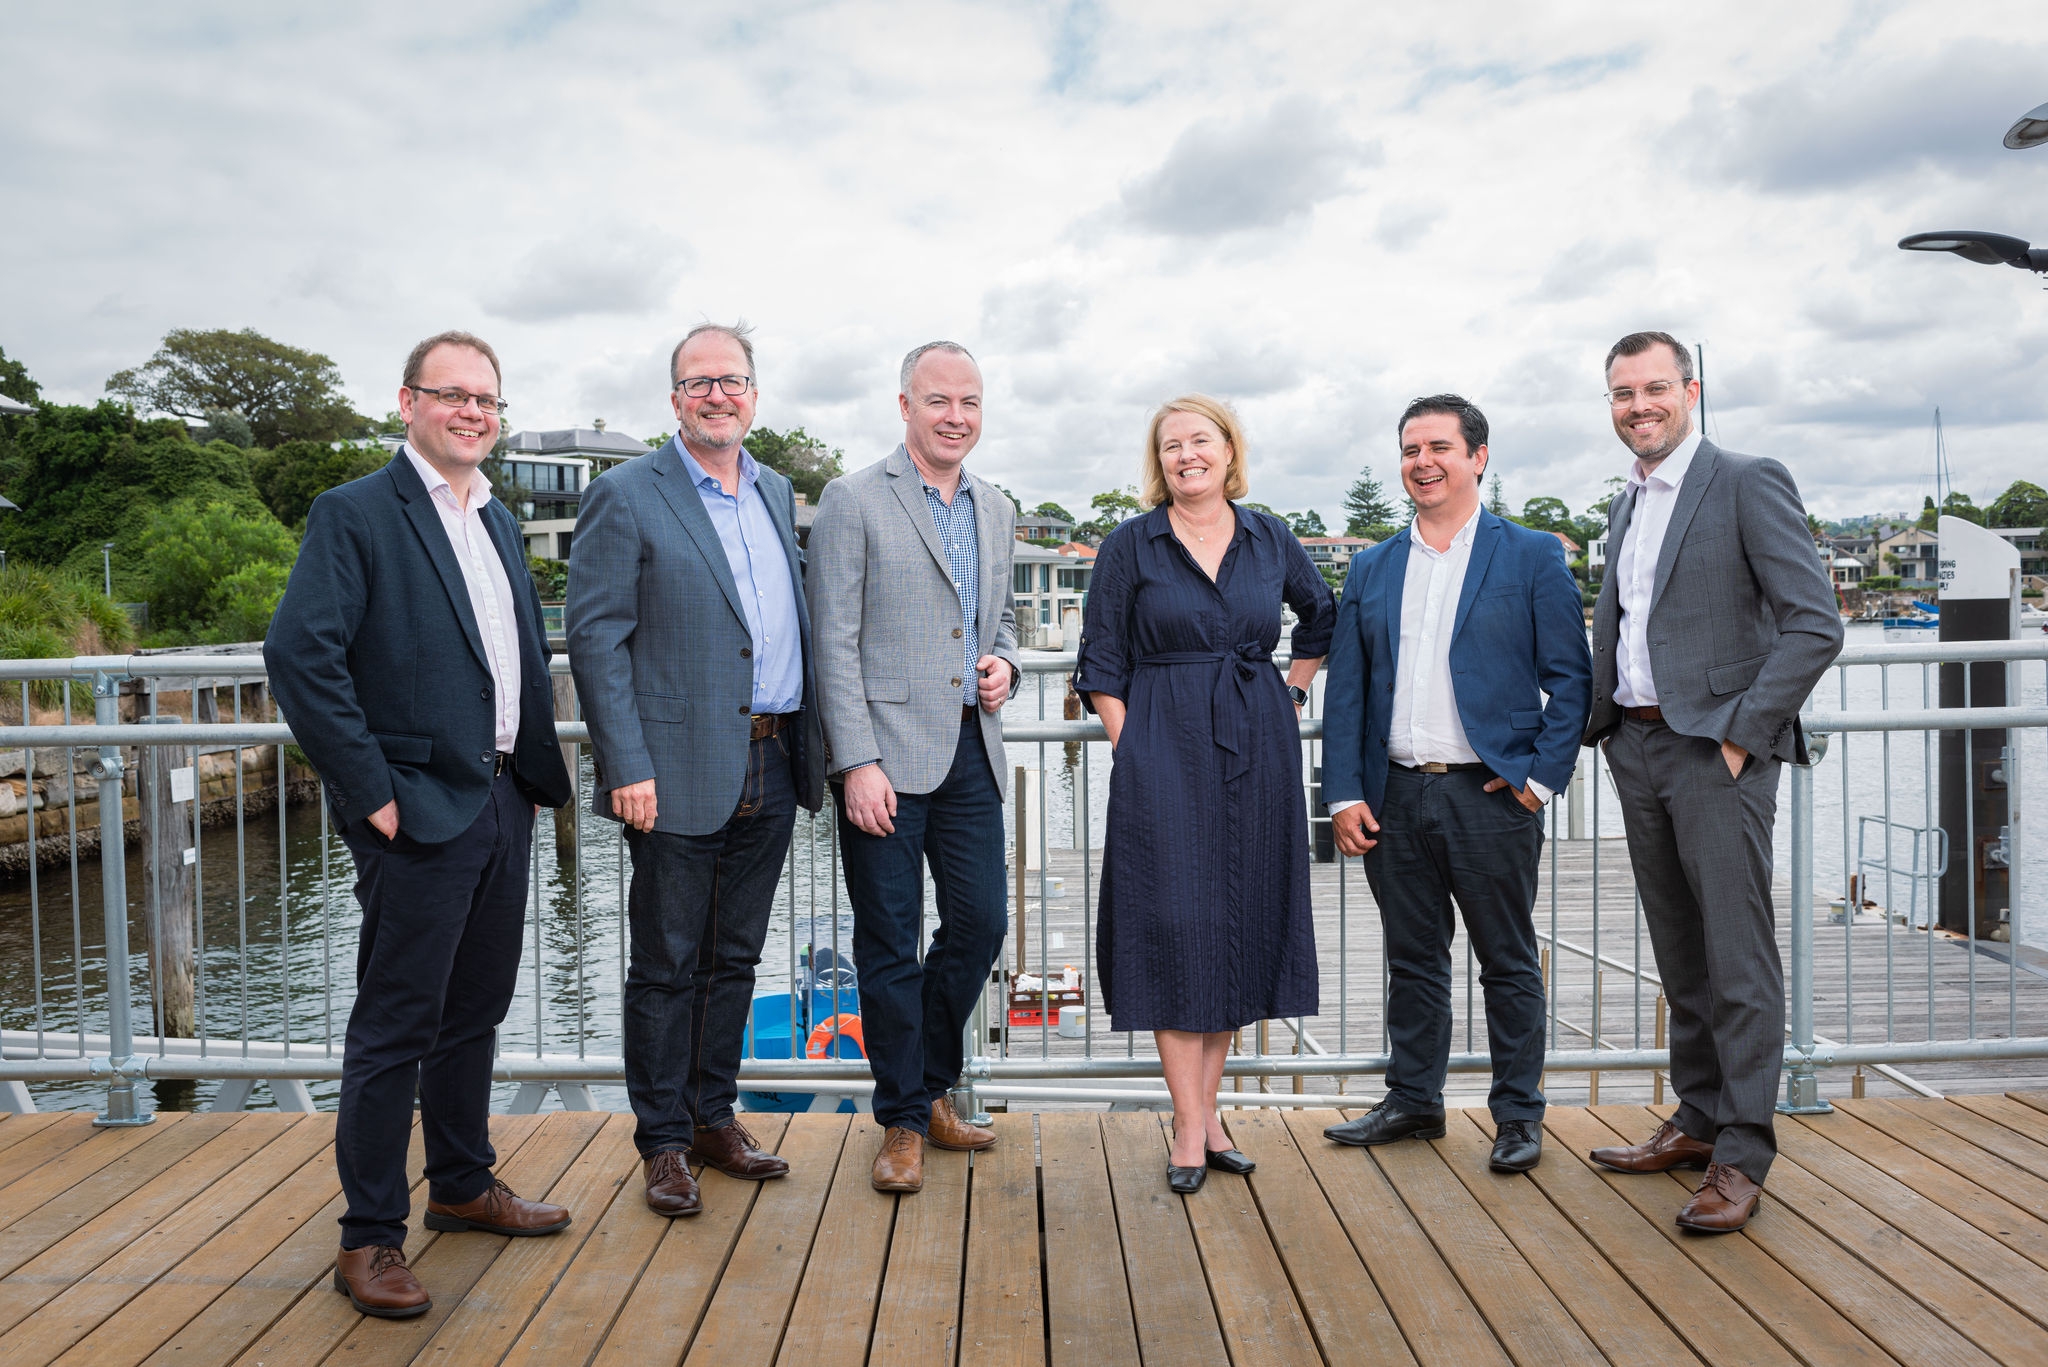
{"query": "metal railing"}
[(271, 990)]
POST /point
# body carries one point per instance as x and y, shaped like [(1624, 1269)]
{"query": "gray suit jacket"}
[(660, 647), (1743, 620), (889, 656)]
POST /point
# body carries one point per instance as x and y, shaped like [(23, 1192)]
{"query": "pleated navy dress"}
[(1204, 921)]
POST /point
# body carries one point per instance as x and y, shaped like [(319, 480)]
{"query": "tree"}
[(2021, 505), (1496, 501), (283, 393), (809, 464), (1111, 509), (1053, 510), (212, 571), (1366, 509), (1547, 514), (1929, 514), (15, 382), (1959, 504), (1309, 523), (291, 476)]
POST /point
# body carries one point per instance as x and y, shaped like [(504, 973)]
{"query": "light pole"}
[(1994, 249), (107, 565)]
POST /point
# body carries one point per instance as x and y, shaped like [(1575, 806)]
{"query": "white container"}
[(1073, 1022)]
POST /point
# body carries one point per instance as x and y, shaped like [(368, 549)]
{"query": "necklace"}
[(1189, 527)]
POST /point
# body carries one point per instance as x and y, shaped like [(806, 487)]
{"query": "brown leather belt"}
[(768, 724), (1435, 768), (1643, 713)]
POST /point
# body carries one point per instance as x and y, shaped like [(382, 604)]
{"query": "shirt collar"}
[(750, 469), (1463, 538), (1670, 471), (479, 487), (965, 486)]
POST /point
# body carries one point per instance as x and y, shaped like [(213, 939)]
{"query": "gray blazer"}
[(1743, 620), (660, 647), (889, 656)]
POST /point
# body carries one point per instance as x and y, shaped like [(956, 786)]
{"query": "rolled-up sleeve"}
[(1103, 663), (1315, 607)]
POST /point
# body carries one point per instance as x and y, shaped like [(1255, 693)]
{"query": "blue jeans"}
[(699, 912), (913, 1016)]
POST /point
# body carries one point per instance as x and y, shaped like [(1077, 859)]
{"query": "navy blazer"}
[(377, 663), (661, 650), (1519, 633)]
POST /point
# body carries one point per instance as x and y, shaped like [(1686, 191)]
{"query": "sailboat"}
[(1922, 622)]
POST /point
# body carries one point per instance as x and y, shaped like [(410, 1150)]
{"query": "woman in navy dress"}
[(1204, 924)]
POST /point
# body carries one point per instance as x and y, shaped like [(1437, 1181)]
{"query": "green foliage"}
[(291, 476), (1547, 514), (1050, 509), (15, 382), (1367, 512), (284, 393), (550, 577), (2021, 505), (1309, 523), (1882, 582), (213, 572), (807, 462), (1496, 501), (50, 616), (1111, 509), (1959, 504), (224, 424)]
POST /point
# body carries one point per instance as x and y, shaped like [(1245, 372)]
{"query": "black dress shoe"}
[(1517, 1144), (1385, 1123), (1230, 1160), (1186, 1181)]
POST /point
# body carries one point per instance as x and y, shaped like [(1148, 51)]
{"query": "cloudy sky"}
[(1314, 210)]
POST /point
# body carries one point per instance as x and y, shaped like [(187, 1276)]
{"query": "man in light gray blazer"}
[(917, 652), (689, 639), (1714, 623)]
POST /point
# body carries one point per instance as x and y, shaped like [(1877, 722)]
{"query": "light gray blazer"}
[(888, 623), (1743, 620), (660, 647)]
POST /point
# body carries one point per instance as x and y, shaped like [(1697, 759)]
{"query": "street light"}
[(1986, 249), (2030, 131), (107, 562)]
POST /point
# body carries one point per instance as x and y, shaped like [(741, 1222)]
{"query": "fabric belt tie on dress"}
[(1231, 703)]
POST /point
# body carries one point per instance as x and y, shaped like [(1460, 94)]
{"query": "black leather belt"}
[(768, 724), (1435, 768), (500, 764), (1651, 713)]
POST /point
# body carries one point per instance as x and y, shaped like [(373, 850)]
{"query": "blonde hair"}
[(1152, 490)]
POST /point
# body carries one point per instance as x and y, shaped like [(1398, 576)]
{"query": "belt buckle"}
[(1433, 767)]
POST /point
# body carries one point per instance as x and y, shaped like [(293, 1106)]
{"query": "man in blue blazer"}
[(1460, 681), (691, 645), (408, 657)]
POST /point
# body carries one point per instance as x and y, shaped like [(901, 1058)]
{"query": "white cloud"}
[(1257, 172), (605, 269)]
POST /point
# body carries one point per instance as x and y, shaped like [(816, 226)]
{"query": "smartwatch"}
[(1299, 694)]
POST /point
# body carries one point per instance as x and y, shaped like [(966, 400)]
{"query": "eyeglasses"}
[(698, 386), (461, 398), (1654, 390)]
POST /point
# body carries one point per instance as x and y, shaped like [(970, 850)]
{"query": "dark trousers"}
[(1443, 838), (913, 1016), (1700, 843), (435, 967), (699, 912)]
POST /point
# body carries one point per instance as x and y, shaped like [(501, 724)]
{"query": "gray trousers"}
[(1700, 843)]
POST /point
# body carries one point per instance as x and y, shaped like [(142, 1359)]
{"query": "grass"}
[(47, 615)]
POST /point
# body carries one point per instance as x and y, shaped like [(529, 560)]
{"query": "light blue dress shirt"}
[(760, 569), (954, 523)]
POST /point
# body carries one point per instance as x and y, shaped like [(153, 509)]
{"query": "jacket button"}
[(487, 695), (956, 633), (744, 709), (746, 652), (487, 757), (954, 682)]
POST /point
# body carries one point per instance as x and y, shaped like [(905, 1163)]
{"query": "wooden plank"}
[(2035, 1100), (454, 1263), (1715, 1325), (1437, 1319), (834, 1314), (88, 1302), (918, 1319), (750, 1308), (1998, 1269), (1087, 1300), (661, 1314), (286, 1300), (84, 1247), (141, 1152), (1913, 1123), (39, 1146), (1527, 1319), (1783, 1304), (2016, 1116), (1947, 1189), (15, 1128), (1262, 1321), (1987, 1134), (1003, 1319), (1170, 1305), (1598, 1299)]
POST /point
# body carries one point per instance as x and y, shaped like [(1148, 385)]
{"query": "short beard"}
[(697, 436), (1657, 456)]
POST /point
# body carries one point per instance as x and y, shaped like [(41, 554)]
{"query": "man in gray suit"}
[(1713, 625), (689, 638), (917, 652)]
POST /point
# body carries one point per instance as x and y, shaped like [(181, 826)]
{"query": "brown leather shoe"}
[(731, 1150), (377, 1282), (1669, 1148), (671, 1190), (498, 1211), (900, 1164), (1723, 1204), (949, 1131)]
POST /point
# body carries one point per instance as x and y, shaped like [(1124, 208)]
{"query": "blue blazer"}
[(376, 660), (1519, 633), (661, 650)]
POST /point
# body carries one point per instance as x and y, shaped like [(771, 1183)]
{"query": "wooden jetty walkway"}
[(1908, 1232)]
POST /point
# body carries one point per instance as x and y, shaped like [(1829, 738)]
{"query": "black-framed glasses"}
[(699, 386), (459, 398), (1654, 390)]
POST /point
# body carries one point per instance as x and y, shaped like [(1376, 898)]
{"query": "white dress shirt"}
[(490, 591), (1655, 493)]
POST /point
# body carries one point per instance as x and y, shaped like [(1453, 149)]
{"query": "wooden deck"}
[(1905, 1232)]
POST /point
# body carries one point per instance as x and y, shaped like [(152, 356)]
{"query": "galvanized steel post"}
[(108, 769), (1802, 1087)]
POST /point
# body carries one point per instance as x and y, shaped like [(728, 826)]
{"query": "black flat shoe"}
[(1517, 1146), (1384, 1123), (1186, 1181), (1230, 1160)]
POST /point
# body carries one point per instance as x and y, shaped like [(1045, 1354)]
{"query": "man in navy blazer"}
[(1459, 685), (408, 657), (691, 644)]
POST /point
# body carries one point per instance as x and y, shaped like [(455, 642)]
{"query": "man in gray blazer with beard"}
[(917, 652), (1714, 623)]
